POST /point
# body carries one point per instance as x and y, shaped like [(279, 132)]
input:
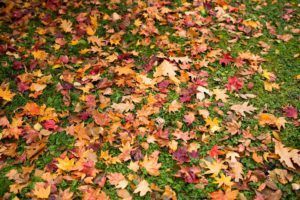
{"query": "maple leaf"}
[(101, 119), (242, 108), (189, 118), (181, 59), (90, 30), (168, 69), (5, 93), (123, 107), (36, 87), (226, 59), (50, 124), (290, 112), (265, 118), (151, 164), (169, 193), (181, 155), (237, 170), (233, 127), (65, 194), (174, 106), (40, 191), (214, 167), (220, 95), (115, 39), (234, 83), (124, 194), (214, 152), (270, 86), (213, 124), (40, 54), (125, 70), (66, 26), (65, 164), (228, 195), (4, 121), (118, 180), (223, 180), (287, 155), (201, 93), (269, 75), (142, 188)]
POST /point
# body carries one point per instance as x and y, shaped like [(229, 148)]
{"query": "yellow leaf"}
[(41, 192), (213, 124), (94, 22), (74, 42), (270, 86), (224, 180), (214, 167), (115, 39), (65, 164), (90, 30), (6, 94), (84, 51), (39, 54), (138, 22), (124, 70), (252, 24)]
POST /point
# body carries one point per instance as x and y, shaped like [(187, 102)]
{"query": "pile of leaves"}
[(149, 99)]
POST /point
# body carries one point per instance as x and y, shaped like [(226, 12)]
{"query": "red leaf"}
[(290, 112), (234, 83), (214, 152), (50, 124), (226, 59), (22, 87)]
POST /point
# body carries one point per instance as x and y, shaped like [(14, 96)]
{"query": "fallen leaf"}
[(66, 26), (5, 93), (142, 188), (242, 108), (65, 164), (287, 155), (40, 191), (118, 180), (150, 163)]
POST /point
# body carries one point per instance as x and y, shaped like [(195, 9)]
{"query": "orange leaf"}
[(32, 108)]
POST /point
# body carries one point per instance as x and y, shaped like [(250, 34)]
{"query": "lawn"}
[(132, 99)]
